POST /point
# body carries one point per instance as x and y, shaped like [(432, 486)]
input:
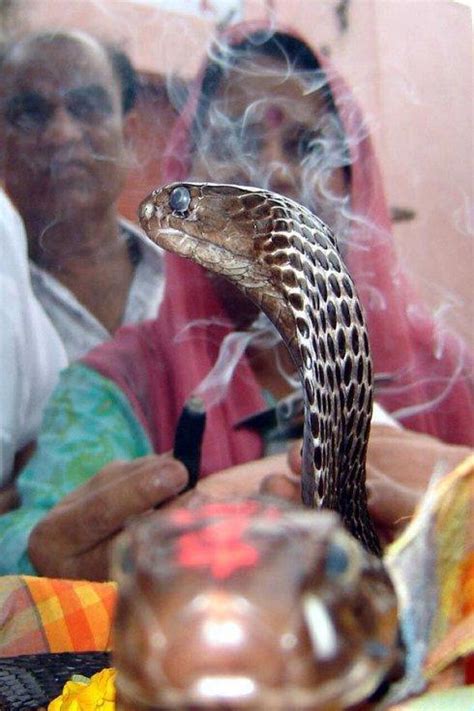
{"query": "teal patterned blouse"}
[(73, 445)]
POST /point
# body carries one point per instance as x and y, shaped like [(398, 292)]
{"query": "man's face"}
[(62, 127)]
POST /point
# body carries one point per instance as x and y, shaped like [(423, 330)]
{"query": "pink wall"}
[(410, 65), (426, 115), (157, 41)]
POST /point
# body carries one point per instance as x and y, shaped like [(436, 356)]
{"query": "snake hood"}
[(197, 596), (286, 260)]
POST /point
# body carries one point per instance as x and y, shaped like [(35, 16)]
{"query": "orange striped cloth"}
[(46, 615)]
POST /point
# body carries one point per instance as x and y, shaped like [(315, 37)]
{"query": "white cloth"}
[(78, 328), (31, 352)]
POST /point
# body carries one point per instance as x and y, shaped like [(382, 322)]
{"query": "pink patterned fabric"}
[(431, 388)]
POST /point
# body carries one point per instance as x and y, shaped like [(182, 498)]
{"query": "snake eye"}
[(337, 560), (180, 199)]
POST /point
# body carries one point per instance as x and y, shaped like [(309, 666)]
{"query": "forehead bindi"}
[(265, 91), (273, 115)]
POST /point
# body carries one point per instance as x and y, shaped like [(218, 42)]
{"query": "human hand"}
[(396, 478), (260, 476), (286, 484), (73, 539), (400, 464), (391, 501)]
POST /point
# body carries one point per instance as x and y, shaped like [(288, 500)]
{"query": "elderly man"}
[(66, 114)]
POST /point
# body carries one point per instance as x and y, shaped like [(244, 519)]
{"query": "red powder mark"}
[(219, 542), (219, 547), (182, 517)]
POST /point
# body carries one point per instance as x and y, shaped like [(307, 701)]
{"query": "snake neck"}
[(322, 323)]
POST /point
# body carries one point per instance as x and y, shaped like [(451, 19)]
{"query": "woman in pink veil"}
[(424, 369)]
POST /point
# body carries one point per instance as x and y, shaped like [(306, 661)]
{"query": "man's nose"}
[(62, 127)]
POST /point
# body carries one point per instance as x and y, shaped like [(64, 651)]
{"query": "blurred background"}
[(408, 62)]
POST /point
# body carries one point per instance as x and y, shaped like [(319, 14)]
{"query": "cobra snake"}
[(287, 261), (209, 590)]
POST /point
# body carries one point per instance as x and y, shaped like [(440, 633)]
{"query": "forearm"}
[(86, 426)]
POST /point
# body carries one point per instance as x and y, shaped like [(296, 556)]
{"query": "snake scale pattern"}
[(287, 261)]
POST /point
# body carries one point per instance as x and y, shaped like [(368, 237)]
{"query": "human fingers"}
[(282, 486), (96, 511), (294, 457), (410, 457), (121, 490), (242, 479), (390, 503)]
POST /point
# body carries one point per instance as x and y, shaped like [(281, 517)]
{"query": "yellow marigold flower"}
[(81, 694)]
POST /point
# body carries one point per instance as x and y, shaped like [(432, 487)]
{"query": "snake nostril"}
[(147, 211)]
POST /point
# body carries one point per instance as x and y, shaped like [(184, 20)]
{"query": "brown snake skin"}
[(287, 261)]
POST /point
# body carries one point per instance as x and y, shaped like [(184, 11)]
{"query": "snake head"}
[(240, 233), (250, 604), (210, 224)]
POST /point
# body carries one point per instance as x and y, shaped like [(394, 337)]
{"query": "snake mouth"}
[(213, 256), (216, 258)]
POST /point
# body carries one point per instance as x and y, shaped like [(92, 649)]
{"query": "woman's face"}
[(269, 128)]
